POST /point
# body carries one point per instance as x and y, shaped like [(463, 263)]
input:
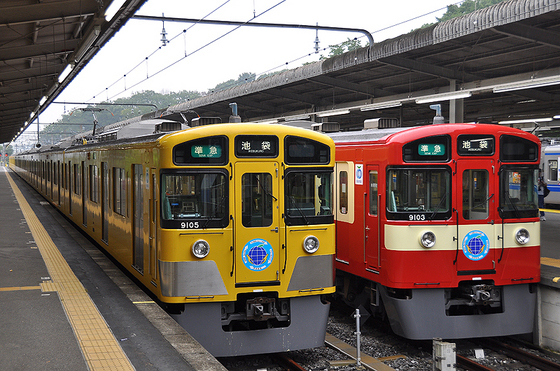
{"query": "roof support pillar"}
[(456, 106)]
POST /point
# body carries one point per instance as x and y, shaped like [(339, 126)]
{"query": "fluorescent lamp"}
[(527, 84), (525, 121), (271, 121), (443, 96), (381, 105), (113, 9), (87, 43), (557, 117), (296, 117), (43, 100), (333, 113), (65, 72)]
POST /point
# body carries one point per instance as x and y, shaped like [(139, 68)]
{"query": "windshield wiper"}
[(438, 206), (299, 210), (515, 209)]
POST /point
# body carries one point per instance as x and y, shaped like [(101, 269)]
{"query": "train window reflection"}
[(198, 196), (475, 194), (257, 199), (418, 191), (518, 192), (308, 197)]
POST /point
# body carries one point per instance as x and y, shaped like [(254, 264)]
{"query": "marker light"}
[(311, 244), (428, 239), (200, 249), (522, 236)]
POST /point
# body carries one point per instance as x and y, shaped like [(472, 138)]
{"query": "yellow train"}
[(229, 225)]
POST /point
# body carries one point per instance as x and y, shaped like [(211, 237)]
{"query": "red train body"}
[(438, 228)]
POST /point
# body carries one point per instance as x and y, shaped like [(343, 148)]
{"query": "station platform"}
[(66, 306)]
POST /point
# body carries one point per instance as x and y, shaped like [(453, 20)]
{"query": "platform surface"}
[(66, 306)]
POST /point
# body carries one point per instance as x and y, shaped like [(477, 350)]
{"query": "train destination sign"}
[(475, 145), (206, 151), (425, 149), (256, 146)]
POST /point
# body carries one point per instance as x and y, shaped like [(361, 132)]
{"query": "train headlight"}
[(428, 239), (200, 249), (522, 236), (311, 244)]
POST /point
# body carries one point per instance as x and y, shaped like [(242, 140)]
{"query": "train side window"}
[(77, 179), (475, 194), (553, 170), (343, 192), (373, 192), (119, 191), (94, 183)]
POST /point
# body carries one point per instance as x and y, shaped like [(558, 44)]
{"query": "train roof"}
[(406, 134)]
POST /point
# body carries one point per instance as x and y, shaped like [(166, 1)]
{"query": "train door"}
[(371, 219), (138, 218), (153, 224), (105, 202), (477, 195), (257, 222)]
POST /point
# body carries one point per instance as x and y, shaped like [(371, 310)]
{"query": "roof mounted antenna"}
[(438, 118), (234, 117)]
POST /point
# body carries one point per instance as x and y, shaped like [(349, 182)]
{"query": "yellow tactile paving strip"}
[(550, 261), (98, 344)]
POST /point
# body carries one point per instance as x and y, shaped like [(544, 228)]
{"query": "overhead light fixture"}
[(333, 113), (527, 84), (525, 121), (443, 96), (65, 72), (557, 117), (87, 43), (113, 9), (381, 105), (296, 117), (43, 100), (270, 121)]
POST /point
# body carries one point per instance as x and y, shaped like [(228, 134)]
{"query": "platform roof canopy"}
[(39, 39), (505, 59)]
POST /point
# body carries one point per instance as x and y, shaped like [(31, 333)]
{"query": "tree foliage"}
[(466, 7)]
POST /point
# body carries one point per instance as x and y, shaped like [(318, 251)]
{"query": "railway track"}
[(521, 355)]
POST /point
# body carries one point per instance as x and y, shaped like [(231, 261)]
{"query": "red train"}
[(438, 228)]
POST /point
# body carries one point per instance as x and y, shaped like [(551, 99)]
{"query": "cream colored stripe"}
[(99, 346)]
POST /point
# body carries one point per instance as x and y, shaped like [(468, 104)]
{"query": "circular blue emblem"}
[(476, 245), (257, 255)]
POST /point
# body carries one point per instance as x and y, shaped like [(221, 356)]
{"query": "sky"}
[(205, 55)]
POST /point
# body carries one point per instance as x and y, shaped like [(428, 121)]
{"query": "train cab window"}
[(196, 200), (515, 149), (518, 192), (417, 194), (553, 170), (475, 194), (309, 197)]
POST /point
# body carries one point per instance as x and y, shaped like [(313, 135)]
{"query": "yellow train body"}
[(262, 215)]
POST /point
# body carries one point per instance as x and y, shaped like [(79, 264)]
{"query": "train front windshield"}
[(309, 197), (518, 192), (426, 191), (196, 200)]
